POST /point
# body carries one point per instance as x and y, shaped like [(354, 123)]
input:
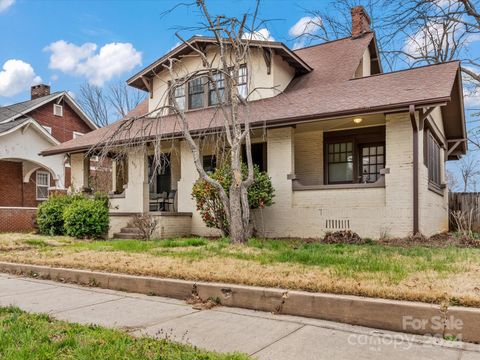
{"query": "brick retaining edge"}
[(403, 316)]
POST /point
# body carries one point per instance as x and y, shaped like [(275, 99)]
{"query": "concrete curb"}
[(403, 316)]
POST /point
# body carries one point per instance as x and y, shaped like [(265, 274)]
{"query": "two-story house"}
[(26, 129), (346, 145)]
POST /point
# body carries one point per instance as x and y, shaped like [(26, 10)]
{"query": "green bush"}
[(50, 214), (260, 195), (86, 218)]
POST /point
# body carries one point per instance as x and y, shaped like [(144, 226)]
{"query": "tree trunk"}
[(237, 230)]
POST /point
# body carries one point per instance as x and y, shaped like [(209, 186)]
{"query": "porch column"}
[(137, 186), (281, 163), (80, 171), (114, 175)]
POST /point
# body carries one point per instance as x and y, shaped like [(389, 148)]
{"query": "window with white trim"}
[(57, 110), (43, 183), (77, 134)]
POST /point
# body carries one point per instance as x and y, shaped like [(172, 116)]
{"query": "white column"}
[(79, 165), (137, 187)]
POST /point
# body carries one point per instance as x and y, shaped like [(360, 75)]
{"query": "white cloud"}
[(16, 77), (261, 34), (178, 43), (306, 25), (431, 38), (111, 60), (5, 4)]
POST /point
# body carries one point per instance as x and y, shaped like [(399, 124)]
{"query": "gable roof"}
[(11, 126), (138, 80), (326, 92), (11, 112)]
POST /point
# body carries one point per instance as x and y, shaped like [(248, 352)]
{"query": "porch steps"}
[(127, 233)]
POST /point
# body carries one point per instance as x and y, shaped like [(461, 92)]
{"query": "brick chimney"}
[(39, 90), (360, 21)]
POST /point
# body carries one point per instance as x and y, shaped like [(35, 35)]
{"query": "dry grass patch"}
[(418, 273)]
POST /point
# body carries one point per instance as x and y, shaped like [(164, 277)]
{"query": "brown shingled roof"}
[(327, 91)]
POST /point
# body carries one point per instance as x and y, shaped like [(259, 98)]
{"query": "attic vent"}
[(340, 224), (57, 110)]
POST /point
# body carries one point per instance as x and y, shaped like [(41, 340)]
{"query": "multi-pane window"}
[(340, 162), (43, 183), (219, 80), (179, 95), (372, 161), (433, 160), (242, 82), (196, 93)]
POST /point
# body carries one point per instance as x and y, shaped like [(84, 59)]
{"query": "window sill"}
[(437, 189), (117, 196), (297, 186)]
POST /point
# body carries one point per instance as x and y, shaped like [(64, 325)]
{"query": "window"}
[(354, 156), (219, 79), (196, 93), (373, 160), (209, 163), (57, 110), (179, 95), (242, 82), (340, 162), (48, 128), (77, 134), (433, 160), (43, 183)]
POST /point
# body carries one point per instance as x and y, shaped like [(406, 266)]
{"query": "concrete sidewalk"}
[(260, 334)]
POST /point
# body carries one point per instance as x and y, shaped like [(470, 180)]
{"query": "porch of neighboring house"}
[(26, 184)]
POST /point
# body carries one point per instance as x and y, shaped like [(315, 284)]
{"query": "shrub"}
[(146, 225), (260, 195), (50, 214), (86, 218)]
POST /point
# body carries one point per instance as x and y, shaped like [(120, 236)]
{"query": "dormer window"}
[(179, 96), (242, 82), (57, 110), (219, 80), (196, 93)]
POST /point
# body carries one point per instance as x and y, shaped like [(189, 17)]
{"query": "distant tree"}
[(469, 168), (105, 105)]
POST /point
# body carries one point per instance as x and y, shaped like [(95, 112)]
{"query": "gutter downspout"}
[(415, 169)]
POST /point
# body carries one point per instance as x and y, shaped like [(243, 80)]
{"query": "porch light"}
[(357, 120)]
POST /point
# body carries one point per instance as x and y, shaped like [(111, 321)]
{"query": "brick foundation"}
[(14, 219)]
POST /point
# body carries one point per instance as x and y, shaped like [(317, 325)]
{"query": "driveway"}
[(262, 335)]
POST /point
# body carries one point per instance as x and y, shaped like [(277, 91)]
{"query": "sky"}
[(65, 43)]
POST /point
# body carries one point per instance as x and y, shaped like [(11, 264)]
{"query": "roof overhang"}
[(453, 115), (61, 95), (140, 81), (35, 125)]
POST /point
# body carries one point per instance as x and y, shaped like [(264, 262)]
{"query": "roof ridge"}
[(408, 69), (25, 101), (335, 40)]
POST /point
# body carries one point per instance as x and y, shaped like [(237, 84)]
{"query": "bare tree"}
[(451, 179), (105, 105), (469, 170), (229, 127)]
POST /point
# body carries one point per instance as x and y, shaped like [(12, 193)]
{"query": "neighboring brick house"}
[(26, 129), (346, 145)]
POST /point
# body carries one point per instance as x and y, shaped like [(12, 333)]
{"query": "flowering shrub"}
[(260, 195)]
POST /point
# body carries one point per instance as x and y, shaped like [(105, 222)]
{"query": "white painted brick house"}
[(346, 145)]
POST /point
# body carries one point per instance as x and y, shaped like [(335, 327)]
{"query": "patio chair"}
[(170, 201), (157, 201)]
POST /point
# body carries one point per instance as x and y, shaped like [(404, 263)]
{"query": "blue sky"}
[(28, 28)]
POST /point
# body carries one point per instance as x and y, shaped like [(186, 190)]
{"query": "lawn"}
[(32, 336), (418, 273)]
